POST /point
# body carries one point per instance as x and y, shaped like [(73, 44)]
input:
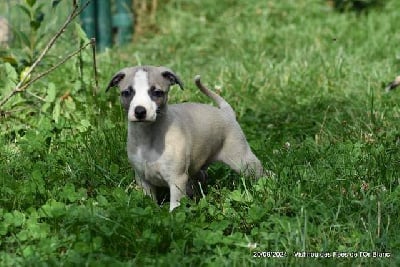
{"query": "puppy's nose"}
[(140, 112)]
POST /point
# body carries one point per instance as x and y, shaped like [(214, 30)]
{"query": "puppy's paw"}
[(269, 174)]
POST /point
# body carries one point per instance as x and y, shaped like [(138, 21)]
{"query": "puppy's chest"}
[(148, 164)]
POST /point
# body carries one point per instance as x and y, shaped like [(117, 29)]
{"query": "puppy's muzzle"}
[(140, 113)]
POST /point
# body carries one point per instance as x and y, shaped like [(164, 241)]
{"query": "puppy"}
[(172, 145)]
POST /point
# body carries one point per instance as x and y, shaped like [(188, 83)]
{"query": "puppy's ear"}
[(171, 77), (115, 80)]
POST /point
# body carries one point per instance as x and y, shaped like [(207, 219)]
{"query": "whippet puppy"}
[(171, 145)]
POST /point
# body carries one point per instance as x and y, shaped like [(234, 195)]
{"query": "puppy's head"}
[(144, 90)]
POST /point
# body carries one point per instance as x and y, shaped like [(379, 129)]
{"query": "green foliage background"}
[(307, 85)]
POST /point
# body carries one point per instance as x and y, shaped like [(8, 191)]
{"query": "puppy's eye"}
[(127, 92), (157, 93)]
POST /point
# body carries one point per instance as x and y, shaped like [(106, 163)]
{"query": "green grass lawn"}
[(307, 85)]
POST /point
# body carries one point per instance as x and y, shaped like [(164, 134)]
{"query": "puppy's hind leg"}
[(251, 165), (237, 154), (245, 163), (197, 184)]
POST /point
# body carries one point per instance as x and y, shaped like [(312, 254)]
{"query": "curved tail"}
[(221, 103), (393, 85)]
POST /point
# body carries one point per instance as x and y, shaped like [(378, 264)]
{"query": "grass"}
[(307, 85)]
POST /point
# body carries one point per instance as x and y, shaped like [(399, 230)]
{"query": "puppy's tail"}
[(221, 103), (391, 86)]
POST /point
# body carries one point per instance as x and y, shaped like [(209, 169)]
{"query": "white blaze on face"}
[(142, 97)]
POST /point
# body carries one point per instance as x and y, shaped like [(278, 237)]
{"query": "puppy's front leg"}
[(177, 189), (148, 188)]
